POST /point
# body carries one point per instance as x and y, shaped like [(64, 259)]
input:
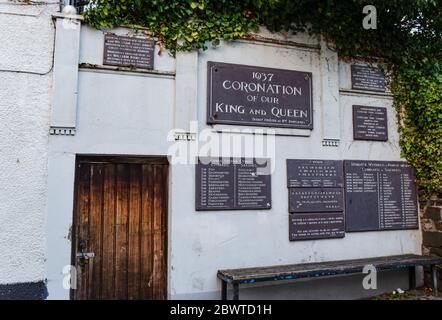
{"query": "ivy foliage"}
[(408, 40), (178, 24)]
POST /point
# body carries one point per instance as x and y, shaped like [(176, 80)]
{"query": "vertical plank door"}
[(119, 245)]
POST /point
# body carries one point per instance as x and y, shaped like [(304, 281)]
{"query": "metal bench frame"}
[(244, 276)]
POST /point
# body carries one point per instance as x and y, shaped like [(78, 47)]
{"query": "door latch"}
[(85, 255)]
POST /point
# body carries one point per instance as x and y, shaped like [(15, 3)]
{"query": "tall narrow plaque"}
[(232, 184), (380, 195), (370, 123), (256, 96), (316, 199)]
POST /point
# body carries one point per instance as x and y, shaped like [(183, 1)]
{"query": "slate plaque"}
[(316, 200), (370, 123), (314, 173), (380, 195), (233, 184), (309, 226), (128, 51), (367, 78), (256, 96)]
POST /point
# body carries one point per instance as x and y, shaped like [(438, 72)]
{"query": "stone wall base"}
[(431, 221)]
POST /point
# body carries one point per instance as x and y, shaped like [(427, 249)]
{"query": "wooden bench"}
[(244, 276)]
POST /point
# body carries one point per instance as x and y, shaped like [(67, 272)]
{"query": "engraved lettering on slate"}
[(256, 96), (314, 173), (316, 226), (370, 123), (128, 51), (316, 200), (367, 78), (380, 195), (232, 184)]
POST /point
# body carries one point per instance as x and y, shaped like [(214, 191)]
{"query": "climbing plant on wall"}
[(407, 40)]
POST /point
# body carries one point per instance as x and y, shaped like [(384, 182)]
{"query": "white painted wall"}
[(132, 113), (118, 113), (26, 33), (204, 242)]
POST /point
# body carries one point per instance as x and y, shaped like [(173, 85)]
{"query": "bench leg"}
[(223, 290), (235, 291), (434, 279), (412, 277)]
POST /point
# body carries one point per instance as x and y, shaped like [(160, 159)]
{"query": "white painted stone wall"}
[(204, 242), (118, 112), (132, 113), (26, 50)]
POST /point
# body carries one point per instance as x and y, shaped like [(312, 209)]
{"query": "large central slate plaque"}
[(316, 200), (128, 51), (370, 123), (380, 195), (233, 184), (256, 96), (314, 173), (367, 78)]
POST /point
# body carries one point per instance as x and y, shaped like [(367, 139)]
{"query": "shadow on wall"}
[(333, 288), (343, 287)]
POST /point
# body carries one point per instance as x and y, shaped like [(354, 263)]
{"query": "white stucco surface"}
[(118, 113), (26, 33), (208, 241), (132, 113)]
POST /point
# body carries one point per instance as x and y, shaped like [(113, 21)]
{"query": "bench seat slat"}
[(288, 272)]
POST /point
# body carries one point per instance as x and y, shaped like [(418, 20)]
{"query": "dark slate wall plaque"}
[(128, 51), (233, 184), (380, 195), (316, 226), (367, 78), (314, 173), (256, 96), (370, 123), (316, 200)]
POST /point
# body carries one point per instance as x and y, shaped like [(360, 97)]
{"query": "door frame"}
[(121, 159)]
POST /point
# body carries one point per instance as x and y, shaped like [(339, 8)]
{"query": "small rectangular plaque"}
[(380, 195), (314, 173), (256, 96), (233, 184), (367, 78), (309, 226), (316, 200), (128, 51), (370, 123)]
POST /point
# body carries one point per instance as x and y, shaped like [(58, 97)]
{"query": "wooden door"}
[(119, 243)]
